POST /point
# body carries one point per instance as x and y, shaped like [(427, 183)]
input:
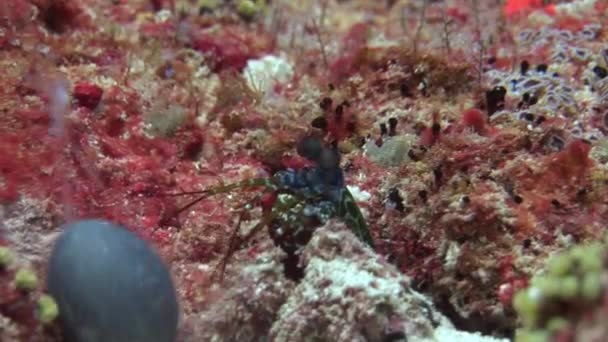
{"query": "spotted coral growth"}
[(564, 296), (26, 314)]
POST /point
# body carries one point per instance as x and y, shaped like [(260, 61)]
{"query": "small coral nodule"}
[(26, 280), (249, 8), (6, 257), (47, 309)]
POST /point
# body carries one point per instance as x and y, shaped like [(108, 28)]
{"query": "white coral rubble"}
[(262, 74)]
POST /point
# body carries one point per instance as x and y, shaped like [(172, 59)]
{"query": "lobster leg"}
[(235, 241), (248, 183), (349, 212)]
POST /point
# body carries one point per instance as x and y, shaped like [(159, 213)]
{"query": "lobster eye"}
[(310, 148)]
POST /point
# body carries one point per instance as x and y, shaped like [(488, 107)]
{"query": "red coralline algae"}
[(572, 163), (231, 46), (458, 14), (87, 94), (21, 170), (601, 6), (353, 53), (511, 281), (356, 37), (60, 15), (428, 136), (123, 12), (475, 119), (414, 258), (16, 12), (507, 290), (513, 7), (571, 23)]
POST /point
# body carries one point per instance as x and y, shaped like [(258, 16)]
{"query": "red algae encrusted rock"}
[(348, 293), (87, 94), (246, 310), (231, 47)]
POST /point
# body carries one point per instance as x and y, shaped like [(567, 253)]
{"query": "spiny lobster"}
[(304, 199)]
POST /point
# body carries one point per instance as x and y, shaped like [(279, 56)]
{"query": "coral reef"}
[(347, 294)]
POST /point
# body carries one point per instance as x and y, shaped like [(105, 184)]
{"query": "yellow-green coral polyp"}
[(572, 280), (26, 280), (47, 309), (6, 257)]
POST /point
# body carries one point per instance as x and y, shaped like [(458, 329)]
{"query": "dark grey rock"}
[(111, 286)]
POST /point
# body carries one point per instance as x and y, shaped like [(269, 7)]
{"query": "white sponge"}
[(262, 74)]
